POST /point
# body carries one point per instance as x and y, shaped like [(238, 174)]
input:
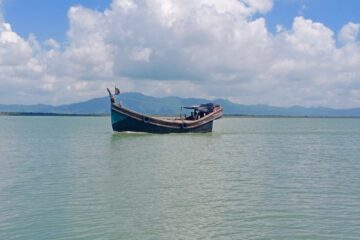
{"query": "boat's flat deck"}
[(167, 119), (173, 119)]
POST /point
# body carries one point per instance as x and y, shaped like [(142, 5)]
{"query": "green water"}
[(252, 178)]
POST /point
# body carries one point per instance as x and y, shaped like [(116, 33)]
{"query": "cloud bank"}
[(205, 48)]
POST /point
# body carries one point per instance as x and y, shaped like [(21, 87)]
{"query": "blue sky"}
[(48, 19), (277, 52), (333, 13)]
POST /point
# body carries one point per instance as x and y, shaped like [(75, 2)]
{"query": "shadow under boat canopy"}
[(200, 120), (204, 108)]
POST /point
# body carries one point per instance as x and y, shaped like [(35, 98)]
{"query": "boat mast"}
[(112, 99)]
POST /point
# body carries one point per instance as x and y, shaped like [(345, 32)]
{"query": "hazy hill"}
[(172, 106)]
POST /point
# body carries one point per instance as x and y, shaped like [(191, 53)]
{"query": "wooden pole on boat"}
[(111, 96)]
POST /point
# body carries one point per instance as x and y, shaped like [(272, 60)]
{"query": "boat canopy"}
[(203, 108)]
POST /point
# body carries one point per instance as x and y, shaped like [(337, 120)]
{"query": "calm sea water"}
[(252, 178)]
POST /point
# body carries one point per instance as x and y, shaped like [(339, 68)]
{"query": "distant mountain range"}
[(172, 106)]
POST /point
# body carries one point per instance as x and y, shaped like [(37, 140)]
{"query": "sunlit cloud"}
[(214, 49)]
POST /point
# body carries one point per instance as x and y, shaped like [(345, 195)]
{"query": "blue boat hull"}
[(122, 122)]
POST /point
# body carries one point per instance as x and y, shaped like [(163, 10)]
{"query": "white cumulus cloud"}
[(349, 32), (204, 48)]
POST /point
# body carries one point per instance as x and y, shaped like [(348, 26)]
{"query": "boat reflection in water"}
[(200, 120)]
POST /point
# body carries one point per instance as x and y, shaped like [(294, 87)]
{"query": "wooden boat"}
[(200, 120)]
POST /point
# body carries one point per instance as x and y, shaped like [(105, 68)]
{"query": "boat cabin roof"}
[(205, 108)]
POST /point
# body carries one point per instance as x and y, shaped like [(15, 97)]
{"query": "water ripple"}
[(249, 179)]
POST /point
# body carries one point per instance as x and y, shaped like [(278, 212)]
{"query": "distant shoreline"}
[(283, 116), (50, 114), (104, 115)]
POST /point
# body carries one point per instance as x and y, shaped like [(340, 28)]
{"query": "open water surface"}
[(252, 178)]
